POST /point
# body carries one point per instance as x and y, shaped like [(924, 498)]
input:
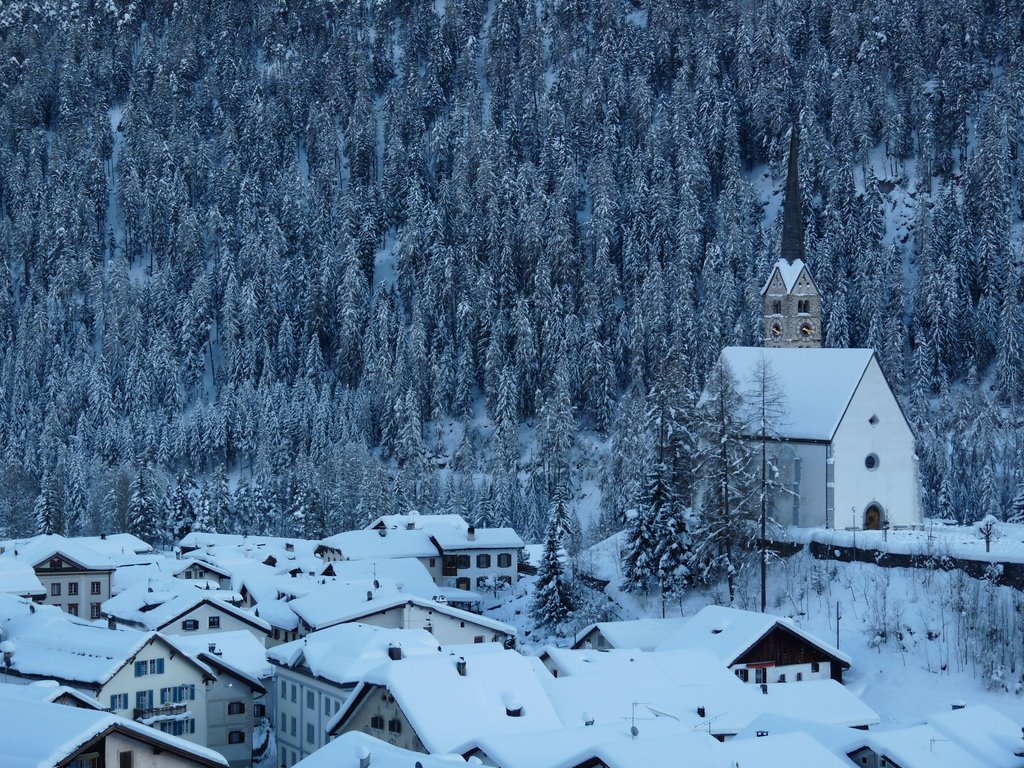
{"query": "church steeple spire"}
[(792, 215)]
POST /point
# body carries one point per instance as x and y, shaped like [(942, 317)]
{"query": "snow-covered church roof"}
[(816, 386), (788, 271)]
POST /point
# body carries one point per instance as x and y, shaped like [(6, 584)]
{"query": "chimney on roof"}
[(369, 595), (103, 537), (701, 712), (588, 719), (471, 533), (394, 652), (792, 215), (958, 705), (460, 666), (764, 688), (111, 623), (212, 647), (364, 758)]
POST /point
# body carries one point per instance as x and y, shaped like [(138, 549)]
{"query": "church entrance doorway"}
[(873, 518)]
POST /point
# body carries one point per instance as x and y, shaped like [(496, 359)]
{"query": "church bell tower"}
[(792, 304)]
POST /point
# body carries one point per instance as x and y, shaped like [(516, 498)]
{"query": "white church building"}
[(842, 446)]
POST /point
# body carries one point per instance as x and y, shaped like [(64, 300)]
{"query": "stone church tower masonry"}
[(792, 303)]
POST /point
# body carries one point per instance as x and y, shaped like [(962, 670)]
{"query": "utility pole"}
[(838, 617)]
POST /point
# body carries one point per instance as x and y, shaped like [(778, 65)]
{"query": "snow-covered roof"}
[(988, 735), (816, 386), (180, 566), (727, 708), (115, 544), (49, 643), (41, 735), (452, 539), (155, 606), (18, 578), (448, 710), (415, 520), (39, 549), (696, 666), (345, 603), (277, 613), (345, 653), (406, 573), (350, 748), (644, 634), (789, 272), (729, 632), (921, 746), (47, 691), (382, 543), (239, 649)]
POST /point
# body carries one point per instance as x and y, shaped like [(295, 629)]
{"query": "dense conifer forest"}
[(279, 266)]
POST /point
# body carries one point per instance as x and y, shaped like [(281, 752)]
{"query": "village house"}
[(190, 569), (439, 704), (456, 554), (76, 578), (316, 675), (51, 692), (176, 607), (37, 733), (356, 749), (142, 676), (389, 607), (759, 647)]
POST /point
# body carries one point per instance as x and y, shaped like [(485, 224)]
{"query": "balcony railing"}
[(170, 710)]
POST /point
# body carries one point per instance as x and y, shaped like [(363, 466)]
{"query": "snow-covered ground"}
[(907, 630)]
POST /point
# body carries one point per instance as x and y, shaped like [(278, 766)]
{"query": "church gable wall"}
[(873, 455)]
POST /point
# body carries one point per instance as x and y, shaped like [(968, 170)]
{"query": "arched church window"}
[(776, 307)]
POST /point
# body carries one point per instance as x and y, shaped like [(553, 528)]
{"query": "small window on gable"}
[(873, 421)]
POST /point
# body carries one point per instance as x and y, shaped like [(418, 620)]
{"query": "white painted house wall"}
[(303, 705), (808, 508), (143, 755), (202, 613), (894, 484), (177, 671)]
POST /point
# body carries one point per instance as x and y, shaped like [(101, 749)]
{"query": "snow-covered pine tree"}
[(143, 508), (726, 531), (553, 594), (179, 509), (48, 508)]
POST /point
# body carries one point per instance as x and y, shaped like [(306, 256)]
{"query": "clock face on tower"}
[(806, 330), (776, 330)]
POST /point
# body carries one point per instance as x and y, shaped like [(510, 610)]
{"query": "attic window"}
[(873, 421)]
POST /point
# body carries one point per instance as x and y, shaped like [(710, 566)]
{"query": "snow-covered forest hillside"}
[(287, 265)]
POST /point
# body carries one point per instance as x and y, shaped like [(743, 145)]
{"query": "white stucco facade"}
[(874, 426)]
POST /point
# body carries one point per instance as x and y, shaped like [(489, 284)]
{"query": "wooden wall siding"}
[(784, 647)]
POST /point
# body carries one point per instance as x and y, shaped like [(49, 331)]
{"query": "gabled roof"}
[(240, 649), (414, 520), (350, 748), (48, 691), (43, 735), (816, 386), (18, 578), (348, 604), (381, 544), (50, 644), (38, 550), (453, 539), (343, 654), (644, 634), (984, 732), (789, 273), (448, 710), (731, 632), (159, 606)]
